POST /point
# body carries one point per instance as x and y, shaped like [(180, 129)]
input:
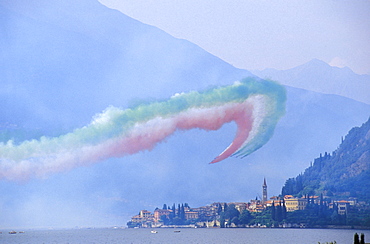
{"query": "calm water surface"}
[(242, 235)]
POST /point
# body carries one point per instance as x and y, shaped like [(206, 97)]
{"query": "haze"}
[(265, 34), (63, 62)]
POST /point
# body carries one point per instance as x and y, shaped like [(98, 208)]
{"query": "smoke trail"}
[(254, 105)]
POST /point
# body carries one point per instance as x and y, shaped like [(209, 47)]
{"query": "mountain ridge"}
[(316, 75), (346, 171)]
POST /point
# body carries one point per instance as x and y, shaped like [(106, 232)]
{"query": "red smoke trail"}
[(145, 136), (244, 121)]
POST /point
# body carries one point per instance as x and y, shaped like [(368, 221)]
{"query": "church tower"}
[(264, 191)]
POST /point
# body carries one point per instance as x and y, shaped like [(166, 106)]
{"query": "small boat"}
[(177, 231), (12, 232), (154, 232)]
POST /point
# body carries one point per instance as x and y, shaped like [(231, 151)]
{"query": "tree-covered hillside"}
[(345, 172)]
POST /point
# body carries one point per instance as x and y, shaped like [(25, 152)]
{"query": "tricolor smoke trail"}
[(254, 105)]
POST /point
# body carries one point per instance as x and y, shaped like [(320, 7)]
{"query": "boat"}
[(154, 232), (12, 232), (176, 231)]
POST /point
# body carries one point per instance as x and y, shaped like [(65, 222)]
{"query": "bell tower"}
[(264, 191)]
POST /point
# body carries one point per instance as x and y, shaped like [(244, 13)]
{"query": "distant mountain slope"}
[(344, 172), (318, 76), (63, 61)]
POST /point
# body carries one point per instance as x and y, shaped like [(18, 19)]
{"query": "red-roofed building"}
[(158, 213)]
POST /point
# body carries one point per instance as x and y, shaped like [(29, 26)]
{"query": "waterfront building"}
[(158, 213), (145, 214), (191, 214), (144, 218), (294, 203)]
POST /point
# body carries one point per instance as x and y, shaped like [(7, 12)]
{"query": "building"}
[(343, 207), (264, 191), (191, 214), (294, 203), (143, 219), (158, 213), (256, 208), (313, 199), (145, 214), (240, 206), (209, 211)]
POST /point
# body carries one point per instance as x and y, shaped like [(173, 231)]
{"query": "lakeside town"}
[(285, 211)]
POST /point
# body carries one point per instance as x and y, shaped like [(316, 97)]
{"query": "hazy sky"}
[(43, 96), (265, 34)]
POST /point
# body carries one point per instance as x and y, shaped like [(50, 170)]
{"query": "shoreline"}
[(343, 227)]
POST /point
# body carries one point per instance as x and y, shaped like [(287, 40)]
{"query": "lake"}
[(200, 235)]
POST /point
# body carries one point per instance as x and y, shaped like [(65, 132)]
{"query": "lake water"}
[(240, 235)]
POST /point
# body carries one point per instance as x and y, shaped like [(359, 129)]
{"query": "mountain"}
[(316, 75), (64, 61), (346, 171), (67, 58)]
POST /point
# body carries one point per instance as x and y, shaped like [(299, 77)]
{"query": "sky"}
[(255, 35)]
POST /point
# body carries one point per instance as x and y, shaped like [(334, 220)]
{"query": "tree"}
[(245, 217), (222, 221), (182, 213), (165, 219), (173, 213), (283, 210), (356, 239), (321, 206), (278, 213), (231, 212), (178, 211), (273, 211), (362, 241), (177, 221), (288, 188), (234, 221), (219, 208), (225, 207)]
